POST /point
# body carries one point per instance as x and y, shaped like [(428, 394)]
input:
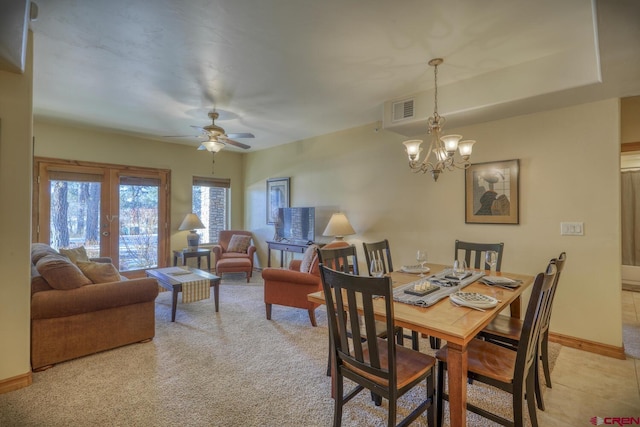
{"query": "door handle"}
[(105, 233)]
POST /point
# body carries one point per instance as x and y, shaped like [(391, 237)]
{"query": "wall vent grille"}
[(403, 110)]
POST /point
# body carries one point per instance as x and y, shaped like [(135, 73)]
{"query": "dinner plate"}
[(414, 269), (473, 299)]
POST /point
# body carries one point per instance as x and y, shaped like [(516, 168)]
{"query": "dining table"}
[(455, 324)]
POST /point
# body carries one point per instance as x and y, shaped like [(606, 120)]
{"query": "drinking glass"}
[(421, 257), (491, 257), (459, 268), (377, 269)]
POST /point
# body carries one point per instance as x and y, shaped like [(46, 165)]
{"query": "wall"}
[(569, 171), (630, 119), (15, 226), (184, 161)]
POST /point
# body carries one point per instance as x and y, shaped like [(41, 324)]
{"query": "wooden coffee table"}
[(170, 283)]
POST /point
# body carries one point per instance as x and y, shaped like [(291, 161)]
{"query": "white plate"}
[(474, 299), (414, 269)]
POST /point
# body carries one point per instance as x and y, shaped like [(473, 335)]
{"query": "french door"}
[(115, 211)]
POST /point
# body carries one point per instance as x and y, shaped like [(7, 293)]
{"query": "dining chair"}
[(506, 331), (500, 367), (345, 259), (382, 251), (478, 250), (381, 366)]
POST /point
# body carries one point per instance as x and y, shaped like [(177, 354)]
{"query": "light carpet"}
[(231, 368)]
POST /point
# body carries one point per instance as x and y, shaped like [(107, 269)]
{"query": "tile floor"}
[(605, 387)]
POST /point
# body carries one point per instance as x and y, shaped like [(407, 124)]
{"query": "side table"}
[(185, 254)]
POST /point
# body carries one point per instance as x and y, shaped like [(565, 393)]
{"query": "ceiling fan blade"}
[(236, 143), (180, 136), (241, 135), (202, 147), (200, 128)]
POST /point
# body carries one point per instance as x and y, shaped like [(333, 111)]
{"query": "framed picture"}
[(277, 197), (492, 193)]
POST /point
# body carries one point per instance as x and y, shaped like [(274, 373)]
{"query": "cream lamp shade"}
[(192, 222), (338, 227)]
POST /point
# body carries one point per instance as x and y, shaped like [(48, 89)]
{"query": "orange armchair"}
[(221, 250), (290, 286)]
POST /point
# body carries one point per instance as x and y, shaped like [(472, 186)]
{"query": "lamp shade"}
[(338, 226), (192, 222)]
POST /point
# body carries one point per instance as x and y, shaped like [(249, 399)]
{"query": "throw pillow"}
[(239, 243), (75, 254), (60, 273), (309, 257), (99, 272)]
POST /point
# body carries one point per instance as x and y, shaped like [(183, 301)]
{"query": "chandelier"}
[(442, 149)]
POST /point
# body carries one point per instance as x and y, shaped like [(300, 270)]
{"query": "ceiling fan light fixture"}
[(213, 146)]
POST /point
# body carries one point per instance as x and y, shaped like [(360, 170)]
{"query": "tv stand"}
[(295, 246)]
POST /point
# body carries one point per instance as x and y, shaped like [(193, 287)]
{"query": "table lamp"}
[(338, 227), (192, 222)]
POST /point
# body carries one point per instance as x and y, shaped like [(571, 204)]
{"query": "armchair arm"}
[(217, 250), (251, 250), (289, 276)]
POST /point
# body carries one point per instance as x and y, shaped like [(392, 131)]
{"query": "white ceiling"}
[(286, 70)]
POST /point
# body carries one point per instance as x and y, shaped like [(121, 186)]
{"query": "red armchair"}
[(290, 286), (221, 250)]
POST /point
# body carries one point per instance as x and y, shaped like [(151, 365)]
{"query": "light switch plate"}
[(572, 228)]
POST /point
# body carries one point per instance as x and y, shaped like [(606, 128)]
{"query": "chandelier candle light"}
[(441, 154)]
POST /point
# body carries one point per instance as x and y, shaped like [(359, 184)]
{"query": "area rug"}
[(231, 368)]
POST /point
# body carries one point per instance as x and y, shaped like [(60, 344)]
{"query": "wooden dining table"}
[(457, 325)]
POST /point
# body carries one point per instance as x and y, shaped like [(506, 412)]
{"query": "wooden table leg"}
[(514, 307), (174, 304), (216, 287), (457, 371)]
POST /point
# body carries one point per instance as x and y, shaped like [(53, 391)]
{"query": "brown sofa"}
[(71, 316)]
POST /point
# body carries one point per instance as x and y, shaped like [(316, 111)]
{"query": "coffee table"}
[(170, 283)]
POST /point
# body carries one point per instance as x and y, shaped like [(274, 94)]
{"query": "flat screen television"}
[(296, 224)]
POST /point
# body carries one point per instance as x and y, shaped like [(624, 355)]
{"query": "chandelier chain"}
[(435, 80)]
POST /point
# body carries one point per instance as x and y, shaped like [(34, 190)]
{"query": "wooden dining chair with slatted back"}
[(379, 365), (345, 259), (382, 251), (478, 251), (506, 331), (500, 367)]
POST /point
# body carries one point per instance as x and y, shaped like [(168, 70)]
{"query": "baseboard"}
[(631, 287), (590, 346), (15, 383)]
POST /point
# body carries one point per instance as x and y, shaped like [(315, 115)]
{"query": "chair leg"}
[(518, 402), (536, 375), (400, 336), (337, 412), (393, 404), (268, 307), (434, 342), (530, 381), (439, 391), (415, 341), (545, 357), (431, 416), (312, 316)]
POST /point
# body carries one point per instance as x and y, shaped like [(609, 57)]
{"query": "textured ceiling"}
[(286, 70)]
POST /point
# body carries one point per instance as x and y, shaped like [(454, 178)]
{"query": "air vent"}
[(403, 110)]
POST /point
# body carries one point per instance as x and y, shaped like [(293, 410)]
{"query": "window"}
[(211, 203)]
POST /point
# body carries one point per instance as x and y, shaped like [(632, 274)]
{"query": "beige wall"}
[(630, 119), (184, 161), (569, 171), (15, 225)]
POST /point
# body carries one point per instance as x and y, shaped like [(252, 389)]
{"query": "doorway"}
[(113, 211)]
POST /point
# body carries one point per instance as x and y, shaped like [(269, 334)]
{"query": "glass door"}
[(138, 220)]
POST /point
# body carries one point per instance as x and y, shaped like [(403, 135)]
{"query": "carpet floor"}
[(231, 368)]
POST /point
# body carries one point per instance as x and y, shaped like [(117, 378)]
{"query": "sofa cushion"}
[(99, 272), (239, 243), (61, 273), (40, 250), (75, 254), (37, 281), (310, 256)]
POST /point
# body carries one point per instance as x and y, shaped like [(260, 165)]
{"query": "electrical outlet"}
[(572, 228)]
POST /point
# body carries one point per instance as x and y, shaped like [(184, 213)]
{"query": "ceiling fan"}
[(218, 137)]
